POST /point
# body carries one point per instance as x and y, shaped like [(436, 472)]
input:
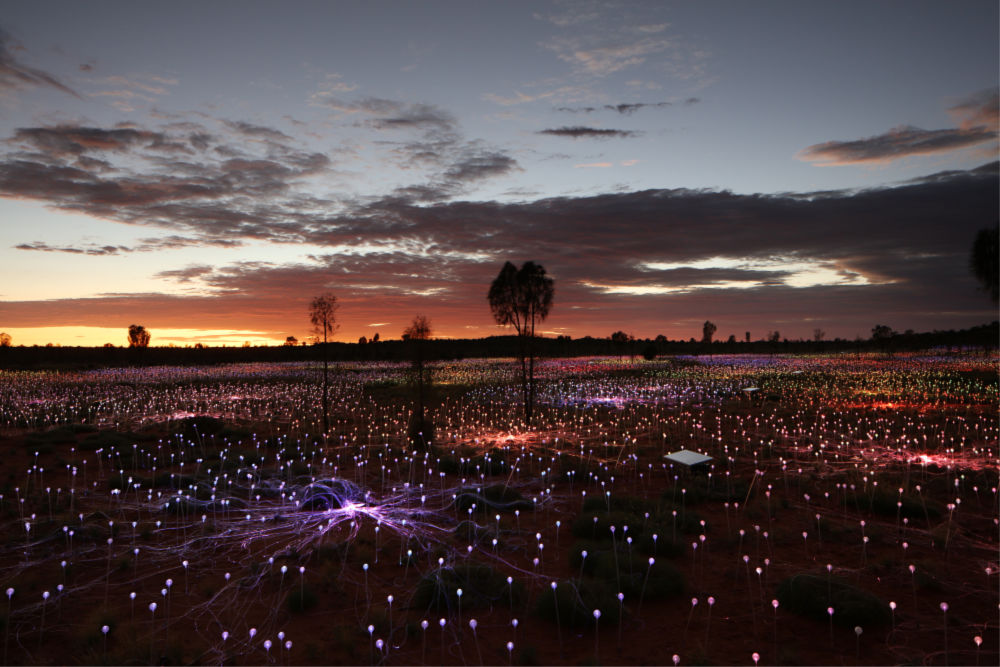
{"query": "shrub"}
[(481, 586), (811, 594), (576, 603), (194, 428), (420, 433), (301, 599), (497, 497), (471, 532), (108, 439), (883, 503), (630, 577)]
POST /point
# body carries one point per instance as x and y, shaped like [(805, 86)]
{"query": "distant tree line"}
[(982, 337)]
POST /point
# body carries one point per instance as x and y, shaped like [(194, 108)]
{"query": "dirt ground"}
[(954, 552)]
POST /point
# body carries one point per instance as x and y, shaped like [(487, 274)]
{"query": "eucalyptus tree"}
[(323, 315), (522, 298)]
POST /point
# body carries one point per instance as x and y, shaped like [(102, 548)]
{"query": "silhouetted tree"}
[(818, 335), (619, 340), (984, 261), (291, 341), (138, 336), (882, 335), (708, 330), (420, 430), (5, 339), (521, 298), (375, 337), (880, 332), (774, 337), (748, 336), (362, 341), (323, 315)]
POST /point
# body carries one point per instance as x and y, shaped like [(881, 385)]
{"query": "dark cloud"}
[(392, 114), (648, 257), (981, 109), (176, 178), (420, 116), (895, 144), (15, 75), (483, 165), (85, 250), (686, 276), (250, 130), (582, 132), (62, 140), (625, 108), (577, 109), (186, 274), (978, 117), (146, 245)]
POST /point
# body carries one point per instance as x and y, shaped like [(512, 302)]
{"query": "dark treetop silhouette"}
[(984, 261), (420, 431), (323, 315), (138, 336), (521, 298), (707, 331)]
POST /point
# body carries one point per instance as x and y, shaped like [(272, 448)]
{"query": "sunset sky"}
[(205, 168)]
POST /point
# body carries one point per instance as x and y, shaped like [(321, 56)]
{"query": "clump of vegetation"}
[(642, 517), (572, 604), (497, 497), (883, 503), (811, 594), (200, 426), (626, 571), (301, 599), (481, 586), (111, 438), (473, 533), (420, 432)]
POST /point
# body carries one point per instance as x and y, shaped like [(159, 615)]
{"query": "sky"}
[(206, 169)]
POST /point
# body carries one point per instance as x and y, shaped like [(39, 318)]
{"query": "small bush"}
[(883, 503), (497, 497), (576, 603), (57, 435), (108, 439), (301, 599), (627, 574), (420, 433), (481, 586), (810, 595), (473, 533)]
